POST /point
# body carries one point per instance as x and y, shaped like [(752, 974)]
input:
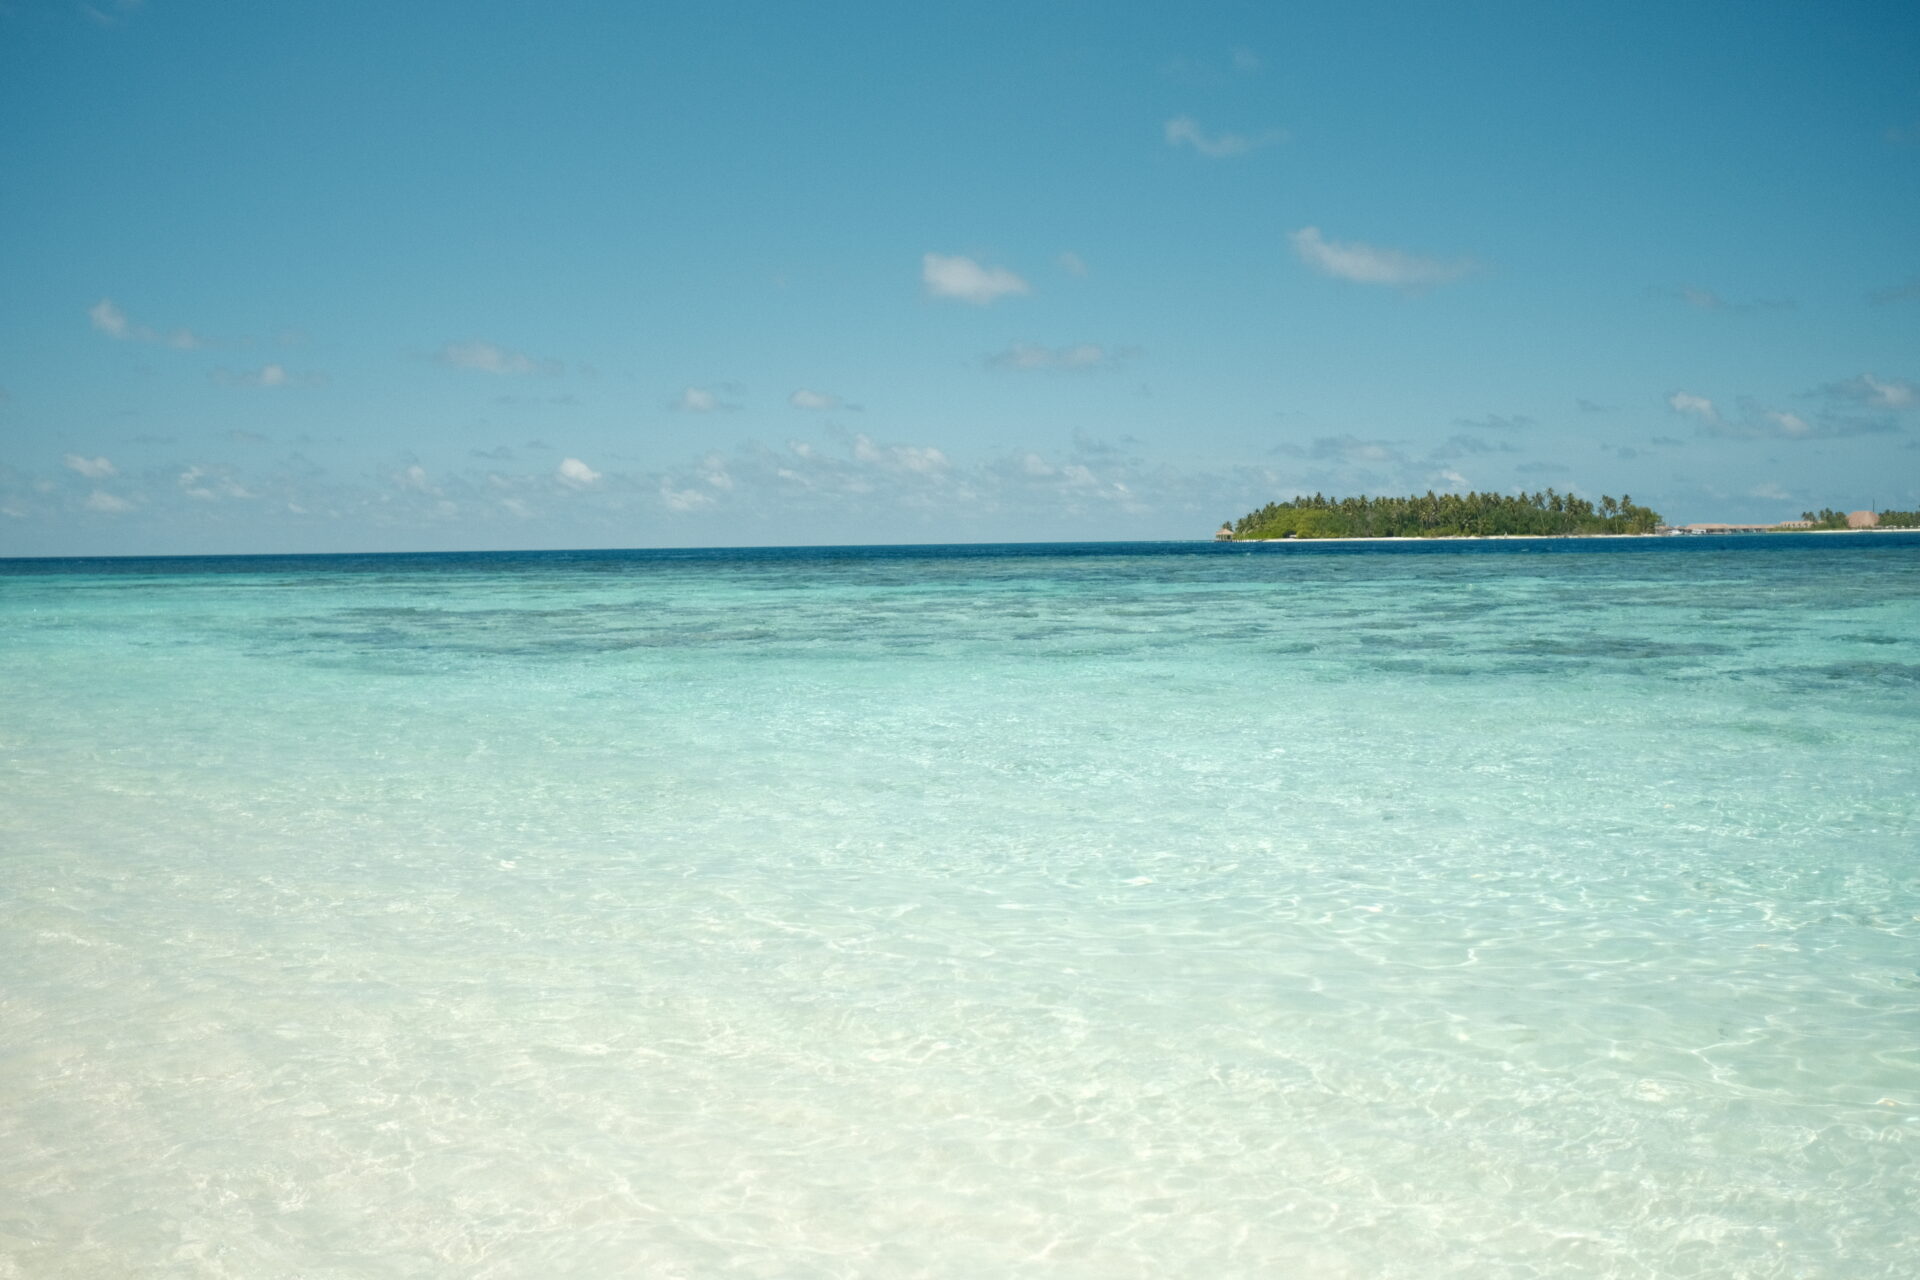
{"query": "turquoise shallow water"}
[(1495, 911)]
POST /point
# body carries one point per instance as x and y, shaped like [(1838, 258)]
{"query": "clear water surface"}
[(1478, 910)]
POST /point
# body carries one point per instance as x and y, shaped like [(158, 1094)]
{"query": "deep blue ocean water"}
[(1488, 909)]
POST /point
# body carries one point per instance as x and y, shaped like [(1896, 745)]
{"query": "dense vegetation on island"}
[(1445, 515), (1828, 518)]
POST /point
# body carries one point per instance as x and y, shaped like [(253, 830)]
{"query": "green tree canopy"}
[(1446, 515)]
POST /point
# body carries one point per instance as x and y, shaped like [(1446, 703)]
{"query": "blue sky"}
[(316, 277)]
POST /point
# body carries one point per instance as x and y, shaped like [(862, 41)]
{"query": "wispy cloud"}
[(684, 499), (1371, 264), (565, 397), (1208, 69), (921, 459), (1707, 300), (967, 280), (1080, 356), (1072, 263), (1755, 420), (1778, 422), (91, 468), (1875, 393), (486, 357), (1496, 422), (700, 400), (111, 13), (101, 500), (1186, 131), (1463, 446), (108, 318), (1697, 407), (1908, 291), (1345, 448), (210, 484), (826, 489), (817, 401), (268, 375)]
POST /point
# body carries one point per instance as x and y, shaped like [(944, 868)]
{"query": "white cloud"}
[(805, 399), (1070, 483), (1072, 263), (1757, 421), (1889, 395), (1185, 130), (683, 499), (1354, 449), (1368, 264), (922, 460), (206, 485), (1694, 406), (700, 400), (1021, 355), (190, 484), (485, 357), (1869, 390), (415, 477), (108, 318), (101, 500), (91, 468), (269, 375), (577, 474), (967, 280)]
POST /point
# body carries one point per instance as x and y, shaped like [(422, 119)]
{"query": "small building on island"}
[(1863, 519), (1225, 534), (1719, 527)]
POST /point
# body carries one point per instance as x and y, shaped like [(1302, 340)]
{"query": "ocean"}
[(1503, 909)]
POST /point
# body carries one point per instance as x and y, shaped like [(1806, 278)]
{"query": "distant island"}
[(1444, 515)]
